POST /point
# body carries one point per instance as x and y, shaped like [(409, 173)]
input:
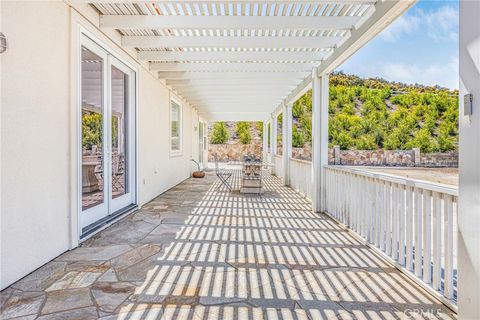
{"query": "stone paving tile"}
[(73, 280), (21, 304), (42, 278), (109, 295), (63, 300), (88, 313), (95, 253), (196, 252)]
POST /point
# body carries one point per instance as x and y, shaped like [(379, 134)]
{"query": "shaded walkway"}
[(199, 253)]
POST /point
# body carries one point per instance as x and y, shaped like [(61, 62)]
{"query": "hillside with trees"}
[(368, 114)]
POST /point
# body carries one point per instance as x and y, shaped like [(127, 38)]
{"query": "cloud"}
[(405, 25), (440, 25), (445, 75)]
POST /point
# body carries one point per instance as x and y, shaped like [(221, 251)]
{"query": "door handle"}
[(3, 43)]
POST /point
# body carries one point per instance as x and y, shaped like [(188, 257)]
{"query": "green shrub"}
[(298, 139), (259, 126), (92, 130), (245, 137), (219, 133)]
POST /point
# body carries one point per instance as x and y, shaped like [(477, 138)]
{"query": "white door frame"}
[(109, 206), (127, 198)]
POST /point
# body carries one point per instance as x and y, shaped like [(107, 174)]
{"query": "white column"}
[(469, 186), (265, 140), (273, 141), (286, 142), (320, 102)]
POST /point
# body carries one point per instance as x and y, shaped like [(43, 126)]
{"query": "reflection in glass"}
[(92, 129), (119, 132)]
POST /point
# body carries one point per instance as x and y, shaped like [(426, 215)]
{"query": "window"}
[(175, 128)]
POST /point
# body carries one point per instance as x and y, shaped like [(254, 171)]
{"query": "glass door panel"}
[(119, 133), (122, 122), (92, 133)]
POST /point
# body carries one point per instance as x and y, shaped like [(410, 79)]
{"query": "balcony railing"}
[(411, 221)]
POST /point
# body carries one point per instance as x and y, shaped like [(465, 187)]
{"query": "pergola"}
[(250, 60), (241, 60)]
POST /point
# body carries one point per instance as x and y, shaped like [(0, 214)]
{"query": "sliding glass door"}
[(107, 128)]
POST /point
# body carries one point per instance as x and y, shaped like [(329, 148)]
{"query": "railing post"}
[(273, 141), (286, 141), (320, 87)]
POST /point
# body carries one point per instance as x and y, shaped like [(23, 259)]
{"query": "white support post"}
[(273, 141), (286, 142), (320, 87), (469, 149), (265, 140)]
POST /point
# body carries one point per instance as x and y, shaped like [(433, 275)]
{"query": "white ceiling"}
[(243, 59)]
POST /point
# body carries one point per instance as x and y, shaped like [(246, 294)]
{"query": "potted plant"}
[(199, 173)]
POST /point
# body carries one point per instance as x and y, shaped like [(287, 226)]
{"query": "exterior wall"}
[(39, 186), (469, 180), (35, 129)]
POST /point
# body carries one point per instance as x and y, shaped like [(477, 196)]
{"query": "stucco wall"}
[(39, 182), (469, 178), (34, 136)]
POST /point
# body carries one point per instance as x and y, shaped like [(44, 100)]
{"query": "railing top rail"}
[(301, 161), (416, 183)]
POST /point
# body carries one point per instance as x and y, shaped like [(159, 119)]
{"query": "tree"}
[(245, 137), (219, 133), (242, 130), (92, 130)]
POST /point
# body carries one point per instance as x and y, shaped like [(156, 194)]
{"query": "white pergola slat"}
[(242, 58)]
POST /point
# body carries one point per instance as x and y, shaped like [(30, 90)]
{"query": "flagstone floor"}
[(196, 252)]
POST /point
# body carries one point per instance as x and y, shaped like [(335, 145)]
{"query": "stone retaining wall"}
[(233, 152), (389, 158), (392, 158)]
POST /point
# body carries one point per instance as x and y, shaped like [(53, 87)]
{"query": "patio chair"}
[(118, 170), (223, 175)]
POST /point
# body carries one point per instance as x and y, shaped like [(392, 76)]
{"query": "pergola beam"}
[(233, 116), (258, 67), (228, 22), (231, 42), (230, 75), (252, 82), (232, 56)]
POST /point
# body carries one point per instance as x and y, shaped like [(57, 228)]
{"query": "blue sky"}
[(419, 47)]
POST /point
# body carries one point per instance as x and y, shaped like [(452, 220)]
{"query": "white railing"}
[(278, 166), (413, 222), (301, 177)]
